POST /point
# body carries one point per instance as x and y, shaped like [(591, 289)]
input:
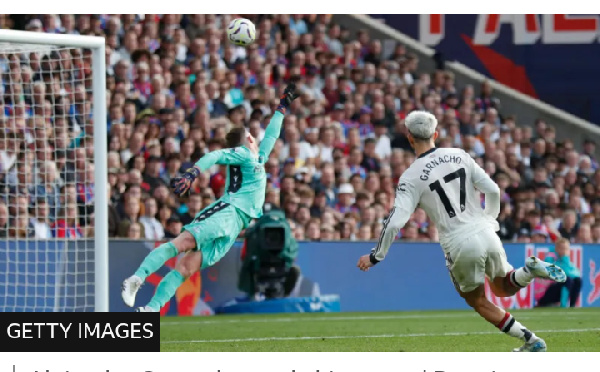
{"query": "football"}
[(241, 32)]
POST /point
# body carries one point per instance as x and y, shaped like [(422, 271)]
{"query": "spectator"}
[(302, 215), (40, 219), (4, 215), (566, 293), (364, 233), (173, 168), (370, 160), (22, 180), (164, 213), (540, 235), (135, 147), (22, 228), (569, 226), (132, 215), (134, 231), (272, 199), (299, 232), (152, 228), (313, 230), (9, 147), (346, 229), (319, 204), (326, 183), (507, 229), (345, 202), (173, 229), (152, 172), (290, 205), (67, 223), (327, 233), (175, 85), (596, 232), (410, 232), (48, 187), (194, 206)]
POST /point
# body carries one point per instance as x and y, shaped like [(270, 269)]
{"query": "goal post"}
[(68, 268)]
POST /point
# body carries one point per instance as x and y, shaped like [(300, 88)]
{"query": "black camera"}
[(268, 270)]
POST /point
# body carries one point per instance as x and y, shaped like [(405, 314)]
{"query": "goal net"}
[(48, 255)]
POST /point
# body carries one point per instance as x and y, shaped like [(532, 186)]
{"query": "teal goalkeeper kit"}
[(243, 199)]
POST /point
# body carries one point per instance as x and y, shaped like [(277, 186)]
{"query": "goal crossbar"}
[(74, 41)]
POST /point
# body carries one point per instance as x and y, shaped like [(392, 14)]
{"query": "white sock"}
[(521, 277), (511, 327)]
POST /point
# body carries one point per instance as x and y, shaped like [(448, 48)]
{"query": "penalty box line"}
[(301, 338)]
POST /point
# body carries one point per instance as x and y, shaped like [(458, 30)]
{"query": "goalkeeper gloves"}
[(181, 185), (289, 95)]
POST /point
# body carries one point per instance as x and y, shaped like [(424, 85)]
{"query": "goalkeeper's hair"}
[(236, 137)]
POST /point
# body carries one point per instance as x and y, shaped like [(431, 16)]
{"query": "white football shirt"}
[(447, 184)]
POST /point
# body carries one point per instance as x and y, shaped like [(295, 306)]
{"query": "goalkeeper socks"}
[(520, 277), (156, 259), (513, 328), (166, 289)]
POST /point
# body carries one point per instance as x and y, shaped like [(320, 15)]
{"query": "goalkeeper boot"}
[(538, 345), (129, 289), (145, 309), (545, 270)]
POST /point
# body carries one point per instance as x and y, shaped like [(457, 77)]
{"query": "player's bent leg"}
[(515, 280), (188, 265), (502, 286), (502, 319), (505, 281), (210, 238), (476, 299), (497, 287), (154, 261)]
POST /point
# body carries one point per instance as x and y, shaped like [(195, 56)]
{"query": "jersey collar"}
[(427, 152)]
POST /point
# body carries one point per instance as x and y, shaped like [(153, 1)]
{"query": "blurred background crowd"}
[(174, 88)]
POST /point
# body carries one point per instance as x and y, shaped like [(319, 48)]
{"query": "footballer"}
[(447, 184), (214, 230)]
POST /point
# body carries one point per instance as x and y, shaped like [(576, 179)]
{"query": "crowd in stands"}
[(174, 88)]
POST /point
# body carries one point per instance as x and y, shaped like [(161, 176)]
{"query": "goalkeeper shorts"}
[(215, 229)]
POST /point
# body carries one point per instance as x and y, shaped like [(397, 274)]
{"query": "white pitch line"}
[(364, 317), (300, 338)]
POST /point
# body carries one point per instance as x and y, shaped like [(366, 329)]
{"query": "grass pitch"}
[(563, 330)]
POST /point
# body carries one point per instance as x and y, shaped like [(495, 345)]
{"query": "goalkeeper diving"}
[(214, 230)]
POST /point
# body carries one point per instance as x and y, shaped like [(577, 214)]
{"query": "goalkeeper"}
[(214, 230)]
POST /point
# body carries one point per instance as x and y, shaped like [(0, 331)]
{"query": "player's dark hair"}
[(236, 137)]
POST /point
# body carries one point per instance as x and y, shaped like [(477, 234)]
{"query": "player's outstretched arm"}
[(407, 198), (273, 130), (182, 184)]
